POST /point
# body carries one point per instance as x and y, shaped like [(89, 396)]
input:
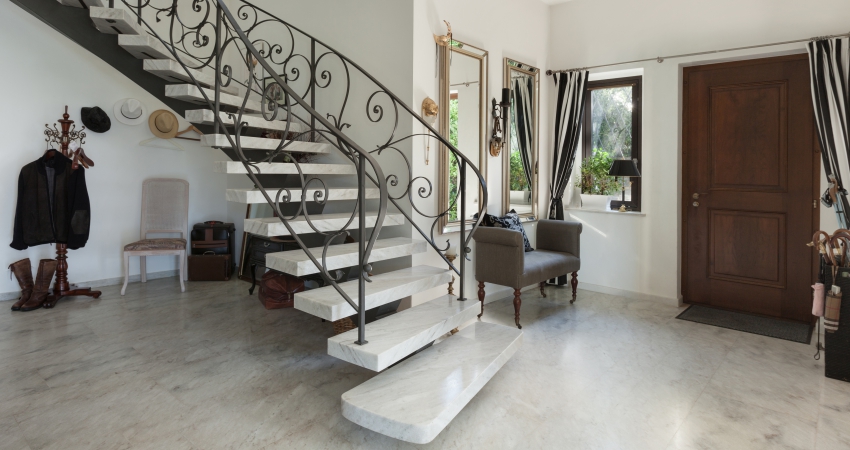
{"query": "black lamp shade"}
[(624, 168)]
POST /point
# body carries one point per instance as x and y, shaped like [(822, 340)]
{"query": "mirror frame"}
[(514, 65), (444, 54)]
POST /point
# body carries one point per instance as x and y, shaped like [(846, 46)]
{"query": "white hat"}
[(130, 111)]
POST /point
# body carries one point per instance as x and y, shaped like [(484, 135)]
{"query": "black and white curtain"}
[(569, 116), (521, 90), (829, 60)]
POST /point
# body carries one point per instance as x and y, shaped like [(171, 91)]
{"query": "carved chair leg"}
[(542, 290), (517, 306), (481, 297), (574, 283)]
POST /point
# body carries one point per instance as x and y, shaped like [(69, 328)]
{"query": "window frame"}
[(636, 82)]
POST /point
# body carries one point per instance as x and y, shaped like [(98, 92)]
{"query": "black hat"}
[(95, 119)]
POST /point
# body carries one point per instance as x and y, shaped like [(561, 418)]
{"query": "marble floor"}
[(210, 369)]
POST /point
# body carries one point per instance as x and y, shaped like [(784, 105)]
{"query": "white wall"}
[(48, 72), (505, 28), (646, 250)]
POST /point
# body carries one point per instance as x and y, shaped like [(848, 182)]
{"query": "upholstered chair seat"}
[(157, 244)]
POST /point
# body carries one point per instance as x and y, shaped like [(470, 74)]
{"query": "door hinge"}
[(815, 204)]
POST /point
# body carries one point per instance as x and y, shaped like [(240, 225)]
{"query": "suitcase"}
[(210, 267), (212, 236)]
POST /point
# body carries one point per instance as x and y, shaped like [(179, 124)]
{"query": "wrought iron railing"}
[(311, 87)]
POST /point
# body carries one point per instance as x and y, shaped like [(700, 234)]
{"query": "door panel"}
[(749, 159)]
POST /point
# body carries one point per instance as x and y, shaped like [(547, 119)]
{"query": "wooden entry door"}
[(750, 184)]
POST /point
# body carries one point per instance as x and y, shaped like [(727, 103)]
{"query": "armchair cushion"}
[(157, 244)]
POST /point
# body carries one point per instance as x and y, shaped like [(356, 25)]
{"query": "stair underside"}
[(296, 262), (236, 167), (115, 21), (253, 196), (171, 70), (271, 226), (395, 337), (415, 400), (82, 3), (207, 117), (328, 304), (192, 94), (256, 143)]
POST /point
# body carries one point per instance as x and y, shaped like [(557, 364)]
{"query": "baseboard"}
[(100, 283), (628, 294)]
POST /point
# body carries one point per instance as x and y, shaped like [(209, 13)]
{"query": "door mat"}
[(748, 323)]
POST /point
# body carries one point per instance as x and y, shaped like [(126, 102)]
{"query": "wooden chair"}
[(165, 209)]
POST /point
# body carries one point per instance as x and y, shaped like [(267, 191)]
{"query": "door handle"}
[(696, 195)]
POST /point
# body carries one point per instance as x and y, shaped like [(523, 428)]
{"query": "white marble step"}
[(393, 338), (257, 143), (296, 262), (144, 46), (236, 167), (83, 3), (328, 304), (207, 117), (115, 21), (415, 400), (171, 70), (254, 196), (192, 94), (271, 226)]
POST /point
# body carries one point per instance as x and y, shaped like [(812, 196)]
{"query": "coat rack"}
[(63, 138)]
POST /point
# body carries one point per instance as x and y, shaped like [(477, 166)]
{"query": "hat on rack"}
[(163, 124), (129, 111), (95, 119)]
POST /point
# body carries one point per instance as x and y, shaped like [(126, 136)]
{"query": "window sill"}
[(455, 228), (606, 211)]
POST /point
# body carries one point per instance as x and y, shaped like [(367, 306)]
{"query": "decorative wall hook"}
[(445, 40)]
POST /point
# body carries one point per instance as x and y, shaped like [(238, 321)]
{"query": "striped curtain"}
[(569, 115), (829, 60), (521, 113)]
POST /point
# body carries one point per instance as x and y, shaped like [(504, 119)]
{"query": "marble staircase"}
[(412, 398)]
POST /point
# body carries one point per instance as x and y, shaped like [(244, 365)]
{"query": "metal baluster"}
[(139, 9), (217, 108), (462, 245), (313, 88), (361, 288)]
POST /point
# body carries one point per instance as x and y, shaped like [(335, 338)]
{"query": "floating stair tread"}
[(415, 400), (257, 143), (296, 262), (207, 117), (192, 94), (252, 196), (115, 21), (171, 70), (236, 167), (144, 46), (271, 226), (82, 3), (393, 338), (328, 304)]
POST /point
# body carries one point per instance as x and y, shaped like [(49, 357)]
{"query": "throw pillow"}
[(511, 221)]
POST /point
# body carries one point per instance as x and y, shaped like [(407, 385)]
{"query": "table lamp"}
[(623, 168)]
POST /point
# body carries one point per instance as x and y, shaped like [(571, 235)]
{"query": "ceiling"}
[(554, 2)]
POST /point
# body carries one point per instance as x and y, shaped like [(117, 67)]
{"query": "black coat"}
[(53, 204)]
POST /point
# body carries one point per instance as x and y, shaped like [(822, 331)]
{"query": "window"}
[(611, 131)]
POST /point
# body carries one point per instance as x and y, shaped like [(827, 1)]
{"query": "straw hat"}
[(163, 124), (129, 111)]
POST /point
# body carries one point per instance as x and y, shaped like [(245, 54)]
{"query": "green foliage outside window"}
[(594, 175)]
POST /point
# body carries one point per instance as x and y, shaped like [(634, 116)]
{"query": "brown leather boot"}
[(23, 272), (46, 270)]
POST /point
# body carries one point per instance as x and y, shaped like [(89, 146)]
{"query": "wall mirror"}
[(520, 164), (463, 120)]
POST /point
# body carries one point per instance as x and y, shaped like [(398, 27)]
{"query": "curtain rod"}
[(661, 59)]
